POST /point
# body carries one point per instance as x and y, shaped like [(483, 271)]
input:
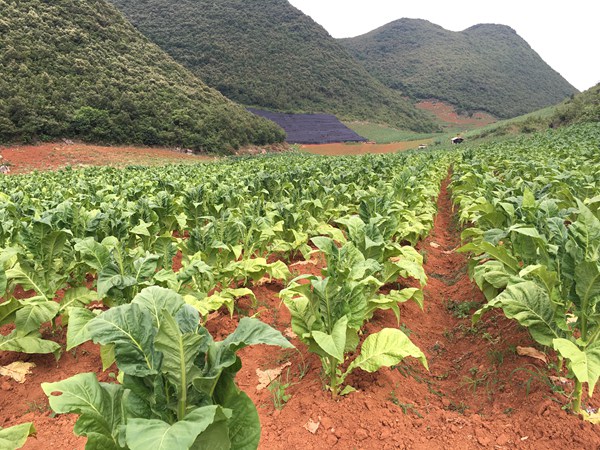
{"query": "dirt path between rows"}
[(477, 394)]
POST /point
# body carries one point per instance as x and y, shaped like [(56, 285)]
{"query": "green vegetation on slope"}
[(381, 134), (485, 67), (79, 69), (581, 108), (266, 53)]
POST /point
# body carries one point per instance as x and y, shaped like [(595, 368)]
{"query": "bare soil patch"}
[(475, 395), (448, 115), (51, 156)]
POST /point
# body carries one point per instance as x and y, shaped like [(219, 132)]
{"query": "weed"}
[(406, 407), (39, 407), (496, 357), (278, 390), (438, 348), (460, 310), (407, 331), (460, 408)]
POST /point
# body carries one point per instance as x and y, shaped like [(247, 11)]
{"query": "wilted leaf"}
[(312, 426), (265, 377), (288, 332), (434, 245), (532, 353), (17, 371)]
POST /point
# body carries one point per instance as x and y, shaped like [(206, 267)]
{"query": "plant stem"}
[(577, 399), (333, 381)]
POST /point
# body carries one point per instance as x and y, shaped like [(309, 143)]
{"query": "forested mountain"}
[(486, 67), (78, 68), (268, 54)]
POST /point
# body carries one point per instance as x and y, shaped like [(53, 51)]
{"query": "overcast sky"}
[(566, 34)]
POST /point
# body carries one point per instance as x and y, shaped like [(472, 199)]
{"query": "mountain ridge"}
[(270, 55), (486, 67)]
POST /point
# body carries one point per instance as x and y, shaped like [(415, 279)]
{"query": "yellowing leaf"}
[(532, 353), (17, 371)]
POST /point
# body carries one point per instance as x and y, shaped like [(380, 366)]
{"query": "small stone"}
[(6, 386), (327, 423), (331, 440), (483, 439), (503, 439), (361, 434), (446, 402), (339, 432)]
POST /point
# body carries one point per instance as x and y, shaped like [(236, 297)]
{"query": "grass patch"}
[(382, 134)]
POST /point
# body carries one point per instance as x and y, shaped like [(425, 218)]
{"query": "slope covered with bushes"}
[(77, 68), (486, 67), (268, 54)]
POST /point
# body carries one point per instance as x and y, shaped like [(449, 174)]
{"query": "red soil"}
[(25, 158), (447, 114), (475, 394), (339, 149)]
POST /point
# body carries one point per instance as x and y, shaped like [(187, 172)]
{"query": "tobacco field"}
[(393, 290)]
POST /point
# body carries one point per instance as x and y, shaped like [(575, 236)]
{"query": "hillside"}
[(581, 108), (72, 68), (268, 54), (483, 68)]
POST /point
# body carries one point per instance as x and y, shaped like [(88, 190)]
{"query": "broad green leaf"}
[(34, 312), (156, 300), (110, 277), (585, 363), (26, 278), (14, 437), (179, 352), (252, 331), (77, 331), (244, 425), (131, 329), (587, 286), (8, 311), (76, 297), (141, 229), (107, 356), (153, 434), (98, 404), (28, 344), (93, 254), (384, 349), (279, 271), (333, 344), (145, 267), (529, 305)]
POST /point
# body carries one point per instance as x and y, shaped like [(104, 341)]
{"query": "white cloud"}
[(565, 34)]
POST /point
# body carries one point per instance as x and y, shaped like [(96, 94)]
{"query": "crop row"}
[(533, 207), (78, 239)]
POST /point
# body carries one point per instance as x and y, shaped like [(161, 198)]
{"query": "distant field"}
[(361, 149), (526, 123), (25, 158), (382, 134)]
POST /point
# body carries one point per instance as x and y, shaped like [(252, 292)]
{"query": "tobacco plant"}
[(177, 384), (328, 313)]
